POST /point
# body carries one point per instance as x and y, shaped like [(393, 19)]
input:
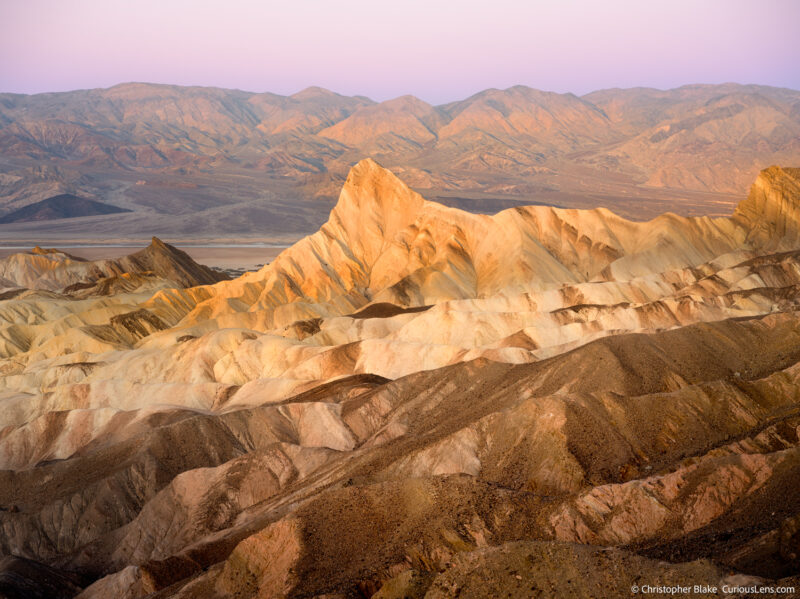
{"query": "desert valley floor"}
[(414, 401)]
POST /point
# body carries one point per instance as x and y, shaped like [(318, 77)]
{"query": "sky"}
[(439, 51)]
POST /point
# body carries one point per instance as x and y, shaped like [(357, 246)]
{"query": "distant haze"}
[(439, 51)]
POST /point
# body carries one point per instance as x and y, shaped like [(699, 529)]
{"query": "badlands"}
[(414, 401)]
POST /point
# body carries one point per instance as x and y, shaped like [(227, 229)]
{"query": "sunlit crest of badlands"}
[(413, 401)]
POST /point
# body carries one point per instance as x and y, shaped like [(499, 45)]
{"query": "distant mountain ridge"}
[(605, 148)]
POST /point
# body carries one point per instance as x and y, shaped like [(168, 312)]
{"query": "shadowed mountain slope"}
[(60, 206), (417, 401)]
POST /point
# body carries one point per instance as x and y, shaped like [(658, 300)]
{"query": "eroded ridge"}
[(415, 401)]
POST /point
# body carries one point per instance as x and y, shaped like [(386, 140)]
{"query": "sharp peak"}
[(367, 162), (366, 170), (369, 182), (157, 244), (374, 205)]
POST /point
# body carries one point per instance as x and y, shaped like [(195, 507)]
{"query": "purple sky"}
[(437, 50)]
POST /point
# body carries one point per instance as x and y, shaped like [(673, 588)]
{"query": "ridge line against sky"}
[(437, 51), (363, 96)]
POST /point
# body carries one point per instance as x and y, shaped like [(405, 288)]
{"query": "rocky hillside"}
[(417, 401), (53, 270), (214, 161)]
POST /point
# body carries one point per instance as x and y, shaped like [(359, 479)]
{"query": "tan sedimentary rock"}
[(159, 264), (416, 399)]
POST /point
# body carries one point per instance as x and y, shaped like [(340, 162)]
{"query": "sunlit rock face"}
[(409, 397), (189, 162)]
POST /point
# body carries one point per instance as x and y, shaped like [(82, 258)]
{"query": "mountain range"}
[(208, 162), (414, 401)]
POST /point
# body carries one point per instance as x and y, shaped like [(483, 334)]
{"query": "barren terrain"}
[(206, 163), (413, 401), (243, 257)]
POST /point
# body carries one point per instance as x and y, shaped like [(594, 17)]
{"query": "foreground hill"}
[(417, 401), (53, 270), (212, 162)]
